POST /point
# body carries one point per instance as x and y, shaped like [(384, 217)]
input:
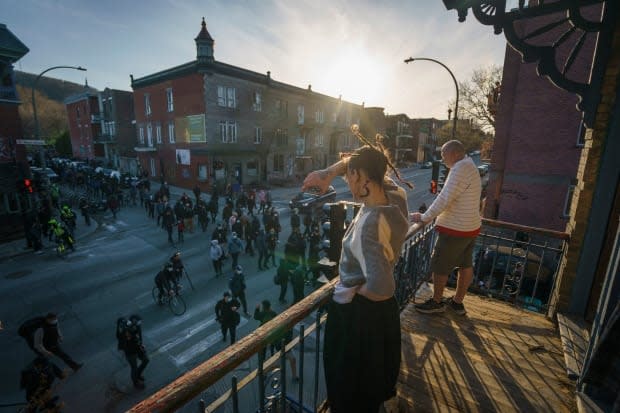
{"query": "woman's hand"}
[(317, 179), (322, 178)]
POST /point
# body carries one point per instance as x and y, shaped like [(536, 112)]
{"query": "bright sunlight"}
[(355, 75)]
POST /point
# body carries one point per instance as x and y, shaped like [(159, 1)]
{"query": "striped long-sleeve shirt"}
[(457, 207)]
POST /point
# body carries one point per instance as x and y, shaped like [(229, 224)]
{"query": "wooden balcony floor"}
[(494, 358)]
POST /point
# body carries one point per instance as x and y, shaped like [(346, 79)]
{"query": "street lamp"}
[(456, 85), (34, 103)]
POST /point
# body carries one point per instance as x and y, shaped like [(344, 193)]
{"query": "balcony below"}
[(495, 358)]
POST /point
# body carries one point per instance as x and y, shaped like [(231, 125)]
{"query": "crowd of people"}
[(362, 337)]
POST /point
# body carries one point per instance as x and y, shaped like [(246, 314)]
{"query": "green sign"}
[(196, 126)]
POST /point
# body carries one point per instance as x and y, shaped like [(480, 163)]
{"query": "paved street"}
[(111, 275)]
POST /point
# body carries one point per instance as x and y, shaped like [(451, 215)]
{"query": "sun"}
[(356, 75)]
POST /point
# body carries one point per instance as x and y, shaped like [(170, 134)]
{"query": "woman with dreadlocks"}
[(361, 354)]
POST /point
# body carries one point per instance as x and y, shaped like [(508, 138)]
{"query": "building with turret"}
[(206, 122)]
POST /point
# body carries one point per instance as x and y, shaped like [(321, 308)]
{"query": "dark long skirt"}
[(361, 354)]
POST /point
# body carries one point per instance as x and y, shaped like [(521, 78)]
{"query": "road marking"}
[(190, 332), (202, 346), (204, 306)]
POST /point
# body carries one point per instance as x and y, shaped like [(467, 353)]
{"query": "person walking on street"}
[(236, 284), (272, 243), (361, 352), (129, 335), (283, 275), (235, 246), (44, 337), (263, 313), (226, 313), (458, 224), (217, 254), (37, 379), (180, 231), (261, 246), (298, 282), (169, 222)]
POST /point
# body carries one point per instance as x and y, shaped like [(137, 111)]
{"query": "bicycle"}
[(172, 298), (273, 401), (61, 248)]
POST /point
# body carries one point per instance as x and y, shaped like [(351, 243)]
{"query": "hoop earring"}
[(365, 187)]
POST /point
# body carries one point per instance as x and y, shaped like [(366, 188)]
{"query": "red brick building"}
[(13, 163), (538, 139), (84, 124), (207, 122)]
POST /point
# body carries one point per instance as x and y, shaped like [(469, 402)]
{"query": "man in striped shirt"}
[(457, 209)]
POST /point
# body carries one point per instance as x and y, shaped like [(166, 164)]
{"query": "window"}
[(319, 140), (141, 134), (77, 110), (171, 137), (228, 131), (258, 135), (221, 96), (319, 116), (147, 104), (569, 200), (231, 97), (281, 136), (158, 133), (153, 169), (300, 114), (278, 163), (170, 99), (149, 134), (257, 104), (226, 97)]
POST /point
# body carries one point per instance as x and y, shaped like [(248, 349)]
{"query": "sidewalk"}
[(18, 247)]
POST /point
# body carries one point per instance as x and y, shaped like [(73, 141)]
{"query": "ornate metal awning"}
[(571, 24)]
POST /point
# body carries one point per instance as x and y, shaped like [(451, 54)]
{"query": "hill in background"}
[(54, 89)]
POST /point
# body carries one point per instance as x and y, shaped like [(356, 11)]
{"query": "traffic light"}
[(435, 176), (28, 186)]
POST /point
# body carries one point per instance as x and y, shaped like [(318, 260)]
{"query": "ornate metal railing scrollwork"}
[(570, 26)]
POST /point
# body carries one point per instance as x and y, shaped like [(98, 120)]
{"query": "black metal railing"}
[(499, 248), (237, 395), (517, 263)]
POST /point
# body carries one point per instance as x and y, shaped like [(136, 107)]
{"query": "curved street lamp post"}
[(34, 104), (456, 85)]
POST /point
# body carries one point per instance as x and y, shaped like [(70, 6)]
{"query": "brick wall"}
[(535, 156)]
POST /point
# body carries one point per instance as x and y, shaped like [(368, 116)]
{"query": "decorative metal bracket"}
[(565, 29)]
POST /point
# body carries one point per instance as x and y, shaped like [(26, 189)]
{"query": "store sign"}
[(30, 142)]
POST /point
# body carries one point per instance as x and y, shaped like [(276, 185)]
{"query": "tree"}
[(51, 114), (479, 96), (470, 135), (62, 144)]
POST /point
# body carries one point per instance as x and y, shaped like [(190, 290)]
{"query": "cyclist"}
[(177, 266), (165, 281), (68, 217), (61, 234)]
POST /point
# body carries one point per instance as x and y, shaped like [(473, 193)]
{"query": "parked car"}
[(483, 169), (427, 165), (45, 173), (312, 200), (497, 266)]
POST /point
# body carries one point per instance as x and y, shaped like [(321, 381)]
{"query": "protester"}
[(226, 313)]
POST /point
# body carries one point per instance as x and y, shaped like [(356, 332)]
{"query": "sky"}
[(350, 48)]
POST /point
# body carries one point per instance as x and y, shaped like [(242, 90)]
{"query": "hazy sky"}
[(350, 48)]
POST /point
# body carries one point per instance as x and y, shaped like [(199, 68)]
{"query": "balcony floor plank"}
[(495, 358)]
